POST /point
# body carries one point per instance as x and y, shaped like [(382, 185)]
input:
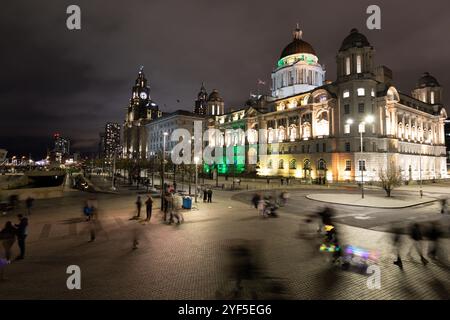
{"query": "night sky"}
[(72, 82)]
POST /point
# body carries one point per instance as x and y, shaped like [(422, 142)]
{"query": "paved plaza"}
[(192, 261)]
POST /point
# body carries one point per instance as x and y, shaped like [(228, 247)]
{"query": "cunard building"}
[(140, 111), (348, 129)]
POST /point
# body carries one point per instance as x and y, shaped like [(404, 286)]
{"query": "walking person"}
[(443, 205), (397, 243), (434, 234), (149, 206), (210, 195), (205, 194), (22, 232), (255, 200), (8, 237), (29, 204), (416, 236), (138, 206), (262, 207)]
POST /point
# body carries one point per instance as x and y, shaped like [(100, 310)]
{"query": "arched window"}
[(270, 135), (307, 164), (269, 164), (322, 127), (293, 164), (281, 133), (321, 165), (293, 132), (306, 130), (281, 164), (400, 130)]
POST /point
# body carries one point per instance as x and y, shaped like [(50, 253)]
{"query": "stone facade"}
[(318, 134)]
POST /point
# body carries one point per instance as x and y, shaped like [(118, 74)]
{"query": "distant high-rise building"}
[(62, 147), (112, 140)]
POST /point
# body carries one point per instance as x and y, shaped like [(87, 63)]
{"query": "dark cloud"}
[(53, 79)]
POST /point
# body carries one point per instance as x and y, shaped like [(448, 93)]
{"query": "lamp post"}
[(420, 168), (165, 134), (113, 187), (368, 119), (196, 177)]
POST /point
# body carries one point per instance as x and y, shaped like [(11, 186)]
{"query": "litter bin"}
[(187, 202)]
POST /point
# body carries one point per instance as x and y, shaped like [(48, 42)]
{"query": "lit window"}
[(432, 97), (372, 93), (346, 128), (362, 165), (346, 94), (347, 66), (348, 165), (358, 64), (361, 92), (281, 164)]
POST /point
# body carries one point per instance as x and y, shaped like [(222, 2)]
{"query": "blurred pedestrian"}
[(22, 232), (87, 212), (29, 204), (417, 237), (255, 200), (443, 206), (210, 195), (92, 230), (205, 194), (8, 237), (138, 206), (397, 244), (434, 234), (149, 206), (262, 207)]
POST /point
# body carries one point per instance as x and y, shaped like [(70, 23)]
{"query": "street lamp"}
[(196, 177), (165, 134), (368, 119), (420, 168), (113, 188)]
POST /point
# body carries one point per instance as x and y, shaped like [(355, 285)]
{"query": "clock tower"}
[(140, 111)]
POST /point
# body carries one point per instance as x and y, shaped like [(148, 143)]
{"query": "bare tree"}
[(390, 178)]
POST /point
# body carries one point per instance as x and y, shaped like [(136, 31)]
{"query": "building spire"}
[(297, 32), (141, 69)]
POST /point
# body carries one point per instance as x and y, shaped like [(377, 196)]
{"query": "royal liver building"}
[(348, 129)]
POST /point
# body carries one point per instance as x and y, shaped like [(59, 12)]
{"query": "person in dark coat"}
[(210, 195), (22, 232), (8, 237), (149, 205), (417, 237), (255, 199), (205, 195), (138, 206)]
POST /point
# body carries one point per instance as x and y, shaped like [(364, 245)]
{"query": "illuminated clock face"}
[(143, 95)]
